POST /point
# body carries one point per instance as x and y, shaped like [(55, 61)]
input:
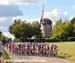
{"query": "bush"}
[(71, 38), (6, 56)]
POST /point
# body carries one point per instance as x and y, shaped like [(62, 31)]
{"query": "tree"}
[(24, 30), (67, 29), (57, 30), (63, 30), (73, 20), (73, 26), (36, 29), (21, 29)]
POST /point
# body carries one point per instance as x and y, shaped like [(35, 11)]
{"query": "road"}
[(36, 59)]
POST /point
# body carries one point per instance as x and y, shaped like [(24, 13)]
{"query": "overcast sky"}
[(31, 10)]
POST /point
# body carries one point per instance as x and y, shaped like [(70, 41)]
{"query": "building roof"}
[(46, 21)]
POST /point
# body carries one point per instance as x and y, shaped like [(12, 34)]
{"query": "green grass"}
[(66, 50)]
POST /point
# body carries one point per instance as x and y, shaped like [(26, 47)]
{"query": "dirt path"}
[(36, 59)]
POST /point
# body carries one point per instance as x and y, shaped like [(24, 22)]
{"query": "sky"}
[(31, 10)]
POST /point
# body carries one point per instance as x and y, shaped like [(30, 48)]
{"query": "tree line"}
[(64, 30), (23, 29), (61, 30)]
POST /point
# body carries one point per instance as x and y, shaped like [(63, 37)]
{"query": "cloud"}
[(4, 2), (8, 2), (65, 13), (54, 15), (55, 12), (71, 17), (5, 22), (3, 28), (9, 11), (7, 34), (27, 19), (3, 25), (2, 19)]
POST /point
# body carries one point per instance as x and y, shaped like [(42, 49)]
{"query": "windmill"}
[(45, 25)]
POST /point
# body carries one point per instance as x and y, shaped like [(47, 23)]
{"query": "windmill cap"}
[(46, 21)]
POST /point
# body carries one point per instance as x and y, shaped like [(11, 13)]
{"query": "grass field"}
[(66, 50)]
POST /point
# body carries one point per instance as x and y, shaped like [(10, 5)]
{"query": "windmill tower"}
[(45, 25)]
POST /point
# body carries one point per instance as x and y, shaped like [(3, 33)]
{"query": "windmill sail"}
[(42, 15)]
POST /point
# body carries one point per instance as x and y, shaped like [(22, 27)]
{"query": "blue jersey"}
[(35, 43)]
